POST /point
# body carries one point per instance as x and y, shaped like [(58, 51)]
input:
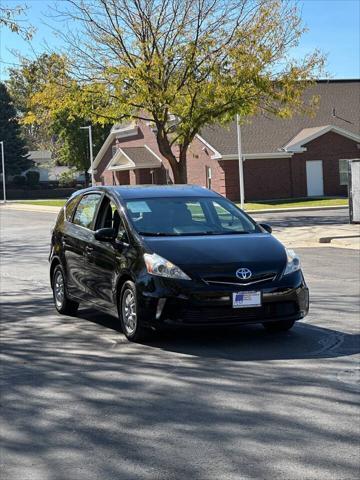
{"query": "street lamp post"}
[(241, 165), (3, 169), (88, 127)]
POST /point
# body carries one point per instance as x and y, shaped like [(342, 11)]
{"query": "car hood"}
[(219, 256)]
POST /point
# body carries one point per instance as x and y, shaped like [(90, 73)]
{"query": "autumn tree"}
[(73, 142), (57, 130), (11, 18), (180, 64), (23, 83)]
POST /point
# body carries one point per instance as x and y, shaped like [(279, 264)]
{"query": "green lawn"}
[(46, 203), (248, 206), (322, 202)]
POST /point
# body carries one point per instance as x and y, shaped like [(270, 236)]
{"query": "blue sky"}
[(333, 28)]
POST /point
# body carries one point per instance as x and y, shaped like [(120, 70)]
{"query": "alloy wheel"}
[(128, 310), (59, 289)]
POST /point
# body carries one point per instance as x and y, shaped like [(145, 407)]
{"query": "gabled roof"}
[(117, 131), (306, 135), (131, 158), (339, 107), (40, 156)]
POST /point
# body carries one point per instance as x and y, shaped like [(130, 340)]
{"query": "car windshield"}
[(176, 216)]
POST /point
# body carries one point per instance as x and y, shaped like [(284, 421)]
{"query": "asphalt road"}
[(305, 218), (78, 402)]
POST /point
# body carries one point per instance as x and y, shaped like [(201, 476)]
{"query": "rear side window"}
[(70, 208), (86, 210)]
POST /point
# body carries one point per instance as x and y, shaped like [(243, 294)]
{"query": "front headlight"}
[(293, 262), (157, 265)]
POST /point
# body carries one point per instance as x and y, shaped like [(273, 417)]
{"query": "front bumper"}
[(164, 301)]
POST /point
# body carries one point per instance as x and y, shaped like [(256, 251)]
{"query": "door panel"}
[(75, 240), (314, 178), (77, 237), (102, 257), (100, 263)]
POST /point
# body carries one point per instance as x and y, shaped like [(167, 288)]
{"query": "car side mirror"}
[(105, 235), (266, 227)]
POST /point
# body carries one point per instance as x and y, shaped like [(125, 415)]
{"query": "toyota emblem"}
[(243, 273)]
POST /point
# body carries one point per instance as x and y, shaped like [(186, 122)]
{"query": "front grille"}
[(232, 281), (215, 314)]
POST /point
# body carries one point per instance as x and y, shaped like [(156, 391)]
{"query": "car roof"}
[(155, 191)]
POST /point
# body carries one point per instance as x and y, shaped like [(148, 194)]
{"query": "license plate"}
[(246, 299)]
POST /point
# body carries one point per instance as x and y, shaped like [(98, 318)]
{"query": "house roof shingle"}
[(128, 158), (265, 134)]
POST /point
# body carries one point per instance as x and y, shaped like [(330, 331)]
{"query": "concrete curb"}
[(338, 237)]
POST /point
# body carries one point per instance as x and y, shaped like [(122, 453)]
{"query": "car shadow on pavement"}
[(80, 402), (244, 343)]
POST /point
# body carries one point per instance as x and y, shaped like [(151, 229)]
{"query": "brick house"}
[(283, 158)]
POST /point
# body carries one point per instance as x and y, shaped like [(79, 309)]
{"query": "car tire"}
[(279, 326), (128, 313), (63, 304)]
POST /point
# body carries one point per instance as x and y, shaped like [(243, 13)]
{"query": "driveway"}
[(80, 402)]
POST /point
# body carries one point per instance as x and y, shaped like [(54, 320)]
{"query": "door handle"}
[(64, 240), (88, 250)]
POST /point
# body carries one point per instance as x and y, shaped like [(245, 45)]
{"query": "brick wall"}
[(263, 179), (145, 136), (198, 158), (329, 148)]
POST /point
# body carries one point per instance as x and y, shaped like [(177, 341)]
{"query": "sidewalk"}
[(340, 236), (29, 207)]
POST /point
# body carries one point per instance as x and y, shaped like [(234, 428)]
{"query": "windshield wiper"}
[(158, 234), (233, 232), (191, 234)]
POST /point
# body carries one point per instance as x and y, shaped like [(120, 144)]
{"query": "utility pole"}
[(241, 166), (3, 170), (88, 127)]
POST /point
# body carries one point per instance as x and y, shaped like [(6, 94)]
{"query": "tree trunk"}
[(178, 167), (182, 166)]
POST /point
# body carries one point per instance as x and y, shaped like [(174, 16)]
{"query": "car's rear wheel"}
[(279, 326), (63, 304), (130, 318)]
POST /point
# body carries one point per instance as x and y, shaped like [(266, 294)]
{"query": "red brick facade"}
[(267, 178), (329, 148), (264, 179)]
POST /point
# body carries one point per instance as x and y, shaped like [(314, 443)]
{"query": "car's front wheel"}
[(130, 318), (63, 304), (279, 326)]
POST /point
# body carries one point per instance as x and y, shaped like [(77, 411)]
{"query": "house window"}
[(344, 172), (208, 177)]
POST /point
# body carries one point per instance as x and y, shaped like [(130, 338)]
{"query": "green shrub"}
[(32, 178), (67, 178)]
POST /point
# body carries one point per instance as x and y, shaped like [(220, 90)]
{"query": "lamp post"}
[(3, 169), (241, 166), (88, 127)]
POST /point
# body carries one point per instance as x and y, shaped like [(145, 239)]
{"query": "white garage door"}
[(314, 178)]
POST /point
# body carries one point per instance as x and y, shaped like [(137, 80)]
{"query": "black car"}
[(172, 255)]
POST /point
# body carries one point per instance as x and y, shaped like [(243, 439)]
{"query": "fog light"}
[(160, 307)]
